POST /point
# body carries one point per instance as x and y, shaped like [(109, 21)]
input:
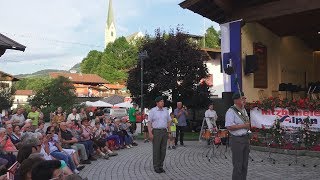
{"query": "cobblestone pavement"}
[(190, 162)]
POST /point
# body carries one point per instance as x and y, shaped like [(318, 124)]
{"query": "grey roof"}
[(131, 36), (115, 99), (7, 43)]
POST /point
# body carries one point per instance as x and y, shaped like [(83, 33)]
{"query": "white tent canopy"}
[(97, 104), (87, 103), (124, 105), (101, 104)]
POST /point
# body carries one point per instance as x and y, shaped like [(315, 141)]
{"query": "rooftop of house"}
[(80, 78), (7, 43), (7, 77), (24, 92)]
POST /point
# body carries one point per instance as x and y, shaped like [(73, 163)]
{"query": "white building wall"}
[(214, 68), (20, 100)]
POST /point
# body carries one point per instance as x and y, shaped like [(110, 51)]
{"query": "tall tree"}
[(174, 67), (113, 63), (212, 38), (59, 92)]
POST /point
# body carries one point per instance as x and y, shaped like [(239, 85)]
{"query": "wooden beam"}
[(225, 5), (216, 14), (211, 12), (187, 3), (274, 9)]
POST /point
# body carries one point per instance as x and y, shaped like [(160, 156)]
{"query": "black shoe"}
[(113, 154), (92, 158), (161, 169), (158, 171), (134, 144), (173, 147), (80, 167), (86, 162)]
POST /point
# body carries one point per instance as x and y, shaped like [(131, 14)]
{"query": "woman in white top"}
[(211, 118), (145, 128)]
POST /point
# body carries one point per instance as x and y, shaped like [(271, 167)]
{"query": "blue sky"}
[(59, 33)]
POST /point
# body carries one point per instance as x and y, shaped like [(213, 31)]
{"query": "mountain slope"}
[(45, 72)]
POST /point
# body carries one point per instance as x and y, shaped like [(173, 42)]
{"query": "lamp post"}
[(142, 56)]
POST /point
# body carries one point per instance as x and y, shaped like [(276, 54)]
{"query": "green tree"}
[(112, 64), (174, 67), (212, 38), (59, 92), (33, 83), (91, 62), (6, 97)]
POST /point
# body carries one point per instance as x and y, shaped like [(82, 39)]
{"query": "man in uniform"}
[(237, 122), (158, 125)]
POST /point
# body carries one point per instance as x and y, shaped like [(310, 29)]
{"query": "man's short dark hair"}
[(45, 169), (159, 98)]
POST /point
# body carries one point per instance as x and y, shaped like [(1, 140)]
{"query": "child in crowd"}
[(172, 131), (145, 129)]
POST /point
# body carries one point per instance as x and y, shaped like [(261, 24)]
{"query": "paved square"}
[(190, 162)]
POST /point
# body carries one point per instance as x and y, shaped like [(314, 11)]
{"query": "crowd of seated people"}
[(60, 149)]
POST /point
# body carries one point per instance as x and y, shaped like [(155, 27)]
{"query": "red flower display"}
[(293, 105)]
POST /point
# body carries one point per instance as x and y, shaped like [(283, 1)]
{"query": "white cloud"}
[(49, 27)]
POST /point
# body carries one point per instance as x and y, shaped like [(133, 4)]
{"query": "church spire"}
[(110, 14), (110, 31)]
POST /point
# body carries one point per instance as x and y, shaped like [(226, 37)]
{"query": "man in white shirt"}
[(211, 117), (74, 116), (158, 124), (238, 124)]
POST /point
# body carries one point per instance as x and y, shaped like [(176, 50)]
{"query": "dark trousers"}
[(160, 138), (240, 155), (89, 147), (121, 136), (133, 127), (180, 133)]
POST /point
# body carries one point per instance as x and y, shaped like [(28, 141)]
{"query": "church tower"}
[(110, 31)]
